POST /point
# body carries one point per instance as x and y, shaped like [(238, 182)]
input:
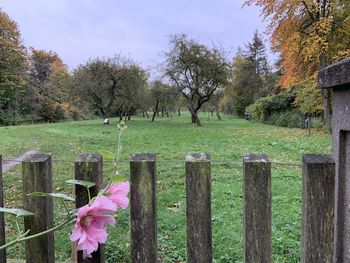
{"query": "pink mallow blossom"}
[(118, 194), (90, 228)]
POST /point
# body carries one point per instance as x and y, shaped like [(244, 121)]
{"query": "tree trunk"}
[(179, 111), (166, 113), (155, 111), (194, 116), (143, 114), (121, 112), (162, 111), (217, 113), (195, 119), (147, 114)]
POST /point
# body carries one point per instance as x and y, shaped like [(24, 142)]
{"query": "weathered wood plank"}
[(317, 209), (198, 201), (37, 177), (89, 167), (143, 208), (257, 208)]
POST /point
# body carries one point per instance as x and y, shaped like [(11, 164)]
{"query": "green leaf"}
[(107, 154), (86, 184), (16, 211), (53, 195)]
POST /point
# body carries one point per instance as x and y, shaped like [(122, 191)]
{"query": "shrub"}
[(317, 123), (12, 118), (6, 117), (292, 119), (264, 107), (309, 98)]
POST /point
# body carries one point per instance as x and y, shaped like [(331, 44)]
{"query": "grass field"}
[(171, 139)]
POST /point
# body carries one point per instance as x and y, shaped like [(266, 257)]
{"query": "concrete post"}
[(337, 77)]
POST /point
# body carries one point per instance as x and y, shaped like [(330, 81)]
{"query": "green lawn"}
[(171, 139)]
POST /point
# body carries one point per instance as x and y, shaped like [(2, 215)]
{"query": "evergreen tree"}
[(258, 67), (251, 77)]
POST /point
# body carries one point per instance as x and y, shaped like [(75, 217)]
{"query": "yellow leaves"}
[(309, 98), (303, 32), (341, 55)]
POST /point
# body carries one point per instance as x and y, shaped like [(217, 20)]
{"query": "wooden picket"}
[(318, 193)]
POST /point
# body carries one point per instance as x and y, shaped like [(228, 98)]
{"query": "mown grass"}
[(171, 139)]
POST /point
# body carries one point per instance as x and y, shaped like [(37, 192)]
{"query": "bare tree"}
[(196, 70)]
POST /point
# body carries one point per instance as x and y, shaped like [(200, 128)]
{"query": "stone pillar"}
[(337, 77)]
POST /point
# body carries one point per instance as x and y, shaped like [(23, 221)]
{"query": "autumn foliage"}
[(308, 34)]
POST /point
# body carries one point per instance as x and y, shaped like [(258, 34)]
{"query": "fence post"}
[(317, 209), (198, 203), (89, 167), (143, 207), (337, 78), (37, 177), (257, 208), (2, 217)]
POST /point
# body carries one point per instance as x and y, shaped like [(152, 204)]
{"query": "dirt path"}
[(8, 165)]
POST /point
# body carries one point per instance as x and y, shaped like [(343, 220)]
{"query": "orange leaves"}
[(307, 34)]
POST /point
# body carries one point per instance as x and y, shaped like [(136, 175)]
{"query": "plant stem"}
[(65, 206), (117, 161), (18, 228), (89, 194), (24, 237), (118, 149)]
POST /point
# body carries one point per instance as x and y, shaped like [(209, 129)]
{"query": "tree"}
[(12, 62), (309, 35), (102, 81), (132, 91), (258, 67), (163, 96), (250, 77), (196, 71), (214, 103), (49, 81), (242, 87)]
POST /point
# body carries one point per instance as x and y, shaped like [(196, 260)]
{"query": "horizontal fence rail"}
[(317, 206), (127, 161)]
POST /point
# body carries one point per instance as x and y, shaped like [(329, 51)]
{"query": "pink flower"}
[(90, 228), (118, 193)]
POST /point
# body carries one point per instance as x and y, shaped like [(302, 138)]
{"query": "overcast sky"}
[(81, 29)]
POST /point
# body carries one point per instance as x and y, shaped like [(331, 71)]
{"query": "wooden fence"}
[(318, 180)]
